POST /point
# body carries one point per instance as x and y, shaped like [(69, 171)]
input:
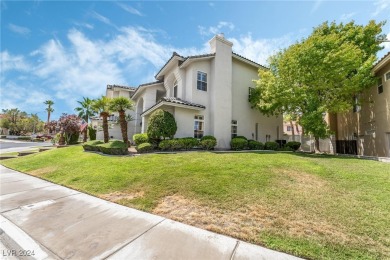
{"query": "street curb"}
[(21, 245)]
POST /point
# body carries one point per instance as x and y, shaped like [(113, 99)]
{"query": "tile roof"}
[(175, 101), (145, 85), (381, 59), (118, 86), (242, 57)]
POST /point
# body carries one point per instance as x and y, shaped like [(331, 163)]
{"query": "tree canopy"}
[(161, 124), (320, 74)]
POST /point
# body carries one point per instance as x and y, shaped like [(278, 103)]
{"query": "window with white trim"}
[(387, 76), (198, 126), (201, 82), (380, 86), (175, 89), (234, 128)]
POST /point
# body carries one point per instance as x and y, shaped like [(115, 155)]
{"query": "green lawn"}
[(318, 207)]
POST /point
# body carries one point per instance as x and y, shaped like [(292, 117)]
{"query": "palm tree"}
[(49, 110), (121, 104), (85, 112), (102, 106)]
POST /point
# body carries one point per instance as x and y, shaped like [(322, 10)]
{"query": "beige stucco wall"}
[(372, 123), (246, 117)]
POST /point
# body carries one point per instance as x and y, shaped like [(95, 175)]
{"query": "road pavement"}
[(56, 222), (8, 146)]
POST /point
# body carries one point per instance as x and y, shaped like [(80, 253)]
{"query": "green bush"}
[(161, 125), (208, 144), (91, 133), (140, 138), (38, 140), (144, 148), (24, 138), (92, 146), (238, 143), (189, 142), (242, 137), (3, 137), (114, 148), (271, 146), (255, 145), (208, 137), (293, 145), (173, 145), (164, 145), (285, 148), (73, 138)]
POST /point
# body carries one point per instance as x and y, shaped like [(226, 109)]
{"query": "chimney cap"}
[(222, 35)]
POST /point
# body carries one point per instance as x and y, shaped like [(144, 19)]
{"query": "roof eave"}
[(381, 63), (162, 103), (190, 60)]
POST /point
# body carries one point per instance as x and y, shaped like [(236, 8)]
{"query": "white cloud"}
[(381, 6), (12, 62), (101, 18), (259, 50), (216, 29), (347, 17), (130, 9), (316, 5), (19, 29), (86, 25)]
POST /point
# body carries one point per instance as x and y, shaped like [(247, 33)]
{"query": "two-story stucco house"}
[(208, 95)]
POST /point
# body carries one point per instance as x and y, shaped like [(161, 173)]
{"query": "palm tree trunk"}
[(48, 121), (85, 132), (123, 124), (105, 127)]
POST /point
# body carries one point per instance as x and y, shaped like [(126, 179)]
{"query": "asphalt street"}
[(8, 146)]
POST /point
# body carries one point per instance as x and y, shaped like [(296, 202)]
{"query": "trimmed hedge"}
[(255, 145), (189, 142), (24, 138), (208, 137), (271, 146), (238, 143), (144, 148), (208, 144), (242, 137), (92, 146), (113, 147), (293, 145), (140, 138)]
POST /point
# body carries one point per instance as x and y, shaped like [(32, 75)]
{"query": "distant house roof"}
[(174, 102), (242, 58), (118, 86), (142, 86)]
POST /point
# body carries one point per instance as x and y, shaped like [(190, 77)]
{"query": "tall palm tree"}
[(121, 104), (102, 106), (85, 111), (49, 110)]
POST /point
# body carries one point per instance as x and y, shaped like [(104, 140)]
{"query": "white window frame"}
[(234, 128), (380, 86), (201, 81), (387, 76), (175, 89), (200, 120)]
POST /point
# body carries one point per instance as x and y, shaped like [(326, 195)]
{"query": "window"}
[(175, 90), (356, 107), (234, 128), (201, 82), (380, 86), (387, 76), (199, 126), (250, 92), (288, 128)]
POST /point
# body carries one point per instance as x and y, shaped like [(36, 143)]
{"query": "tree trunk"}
[(123, 124), (48, 121), (105, 126), (317, 145), (292, 130), (85, 132)]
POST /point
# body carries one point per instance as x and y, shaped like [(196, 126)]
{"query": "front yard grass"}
[(316, 207)]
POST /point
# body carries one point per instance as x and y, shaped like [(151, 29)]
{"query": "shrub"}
[(173, 144), (92, 146), (286, 149), (208, 137), (242, 137), (164, 145), (24, 138), (189, 142), (144, 148), (38, 140), (161, 124), (293, 145), (238, 144), (271, 146), (91, 133), (3, 137), (140, 138), (114, 147), (255, 145), (208, 144), (74, 138)]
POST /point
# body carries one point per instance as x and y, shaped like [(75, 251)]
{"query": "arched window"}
[(175, 89)]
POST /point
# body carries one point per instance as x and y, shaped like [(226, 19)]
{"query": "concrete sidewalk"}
[(60, 223)]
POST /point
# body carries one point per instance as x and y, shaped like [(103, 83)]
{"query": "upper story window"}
[(175, 90), (380, 86), (387, 76), (201, 82)]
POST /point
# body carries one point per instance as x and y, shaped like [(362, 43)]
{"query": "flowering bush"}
[(70, 127)]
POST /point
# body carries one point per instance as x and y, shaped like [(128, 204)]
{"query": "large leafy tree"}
[(161, 124), (319, 75), (49, 109), (121, 104), (85, 112), (102, 106)]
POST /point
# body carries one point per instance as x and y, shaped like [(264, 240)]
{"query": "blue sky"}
[(66, 50)]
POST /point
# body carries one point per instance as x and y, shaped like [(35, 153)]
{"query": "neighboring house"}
[(366, 129), (208, 95), (290, 127)]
